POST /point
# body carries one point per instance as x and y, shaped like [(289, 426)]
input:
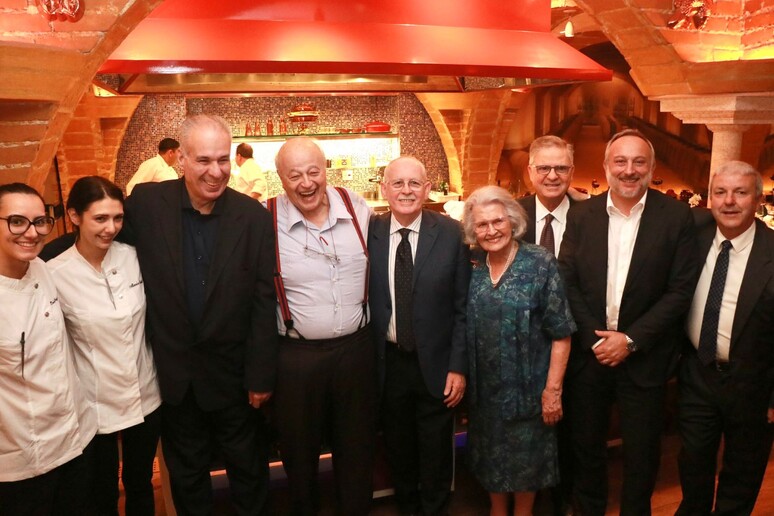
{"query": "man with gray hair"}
[(727, 369), (207, 258)]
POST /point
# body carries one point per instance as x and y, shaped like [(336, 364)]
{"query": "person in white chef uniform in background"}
[(45, 423), (248, 178), (103, 300)]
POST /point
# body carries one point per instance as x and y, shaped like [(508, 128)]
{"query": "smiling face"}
[(493, 228), (551, 188), (206, 164), (16, 251), (406, 188), (734, 202), (98, 225), (628, 167), (301, 167)]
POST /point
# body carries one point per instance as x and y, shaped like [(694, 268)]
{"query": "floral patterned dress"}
[(510, 329)]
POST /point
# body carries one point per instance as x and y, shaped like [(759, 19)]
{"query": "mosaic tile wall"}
[(402, 111)]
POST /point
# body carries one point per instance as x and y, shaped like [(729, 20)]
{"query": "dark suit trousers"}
[(593, 389), (710, 407), (418, 436), (190, 437), (326, 390), (138, 449)]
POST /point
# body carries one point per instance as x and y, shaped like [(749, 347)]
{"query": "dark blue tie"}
[(708, 339), (404, 304)]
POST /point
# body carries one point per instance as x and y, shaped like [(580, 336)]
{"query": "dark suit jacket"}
[(528, 203), (751, 355), (233, 348), (441, 277), (658, 289)]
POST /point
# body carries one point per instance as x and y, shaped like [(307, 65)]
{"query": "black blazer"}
[(751, 355), (658, 288), (235, 346), (528, 203), (441, 277)]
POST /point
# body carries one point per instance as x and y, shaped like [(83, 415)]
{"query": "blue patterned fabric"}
[(510, 329)]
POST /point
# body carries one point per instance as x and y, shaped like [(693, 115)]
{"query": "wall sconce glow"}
[(569, 30), (64, 10)]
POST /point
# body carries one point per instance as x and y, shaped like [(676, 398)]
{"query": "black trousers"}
[(326, 392), (593, 390), (138, 449), (712, 406), (418, 436), (190, 437), (63, 491)]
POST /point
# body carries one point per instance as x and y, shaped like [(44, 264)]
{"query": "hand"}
[(612, 351), (552, 406), (256, 399), (454, 390)]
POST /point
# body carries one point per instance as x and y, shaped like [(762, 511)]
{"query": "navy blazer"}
[(658, 289), (751, 355), (441, 278), (235, 346)]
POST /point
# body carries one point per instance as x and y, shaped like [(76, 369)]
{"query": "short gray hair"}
[(198, 121), (550, 142), (636, 134), (739, 168), (487, 195)]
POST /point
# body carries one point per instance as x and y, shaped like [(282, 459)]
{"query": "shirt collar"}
[(336, 210), (185, 202), (414, 226), (739, 243), (639, 207), (560, 213)]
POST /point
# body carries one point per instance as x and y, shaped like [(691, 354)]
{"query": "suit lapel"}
[(596, 240), (756, 276), (648, 235), (428, 232), (530, 206), (380, 250), (172, 229), (231, 227)]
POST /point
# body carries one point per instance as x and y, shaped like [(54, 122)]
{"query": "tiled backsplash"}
[(159, 116)]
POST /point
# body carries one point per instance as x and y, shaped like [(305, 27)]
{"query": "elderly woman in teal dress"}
[(519, 327)]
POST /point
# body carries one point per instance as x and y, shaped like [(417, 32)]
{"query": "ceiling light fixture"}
[(569, 30)]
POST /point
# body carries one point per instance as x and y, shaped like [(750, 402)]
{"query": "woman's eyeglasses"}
[(19, 224)]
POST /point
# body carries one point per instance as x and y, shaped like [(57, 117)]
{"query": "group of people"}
[(213, 315)]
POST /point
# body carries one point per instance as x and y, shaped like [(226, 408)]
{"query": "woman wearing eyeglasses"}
[(101, 293), (518, 333), (45, 422)]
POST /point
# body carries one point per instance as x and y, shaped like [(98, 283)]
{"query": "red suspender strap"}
[(279, 286), (351, 209)]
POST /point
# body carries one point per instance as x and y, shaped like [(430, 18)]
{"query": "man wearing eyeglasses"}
[(420, 269), (550, 171), (325, 375), (628, 259)]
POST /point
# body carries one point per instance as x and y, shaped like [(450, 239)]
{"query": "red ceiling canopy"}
[(421, 37)]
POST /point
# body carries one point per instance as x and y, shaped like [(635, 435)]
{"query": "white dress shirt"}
[(737, 263), (621, 235), (153, 170), (105, 315), (323, 269), (44, 418), (395, 239), (558, 224)]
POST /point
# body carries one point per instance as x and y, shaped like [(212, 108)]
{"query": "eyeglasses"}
[(544, 170), (497, 224), (413, 185), (19, 224)]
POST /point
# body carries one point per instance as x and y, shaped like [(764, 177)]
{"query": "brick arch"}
[(37, 110)]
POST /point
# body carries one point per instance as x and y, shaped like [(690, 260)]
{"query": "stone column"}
[(726, 143)]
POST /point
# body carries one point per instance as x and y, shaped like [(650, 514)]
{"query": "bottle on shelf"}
[(283, 126), (269, 127), (248, 129), (257, 128)]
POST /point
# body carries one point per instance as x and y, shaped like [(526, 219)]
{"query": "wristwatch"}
[(631, 346)]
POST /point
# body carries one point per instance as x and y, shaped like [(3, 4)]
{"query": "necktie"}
[(708, 338), (404, 273), (547, 236)]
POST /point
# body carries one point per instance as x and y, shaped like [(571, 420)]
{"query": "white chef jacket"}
[(39, 410), (152, 170), (249, 179), (105, 316)]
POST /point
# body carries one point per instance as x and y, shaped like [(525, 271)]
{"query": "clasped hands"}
[(611, 351)]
